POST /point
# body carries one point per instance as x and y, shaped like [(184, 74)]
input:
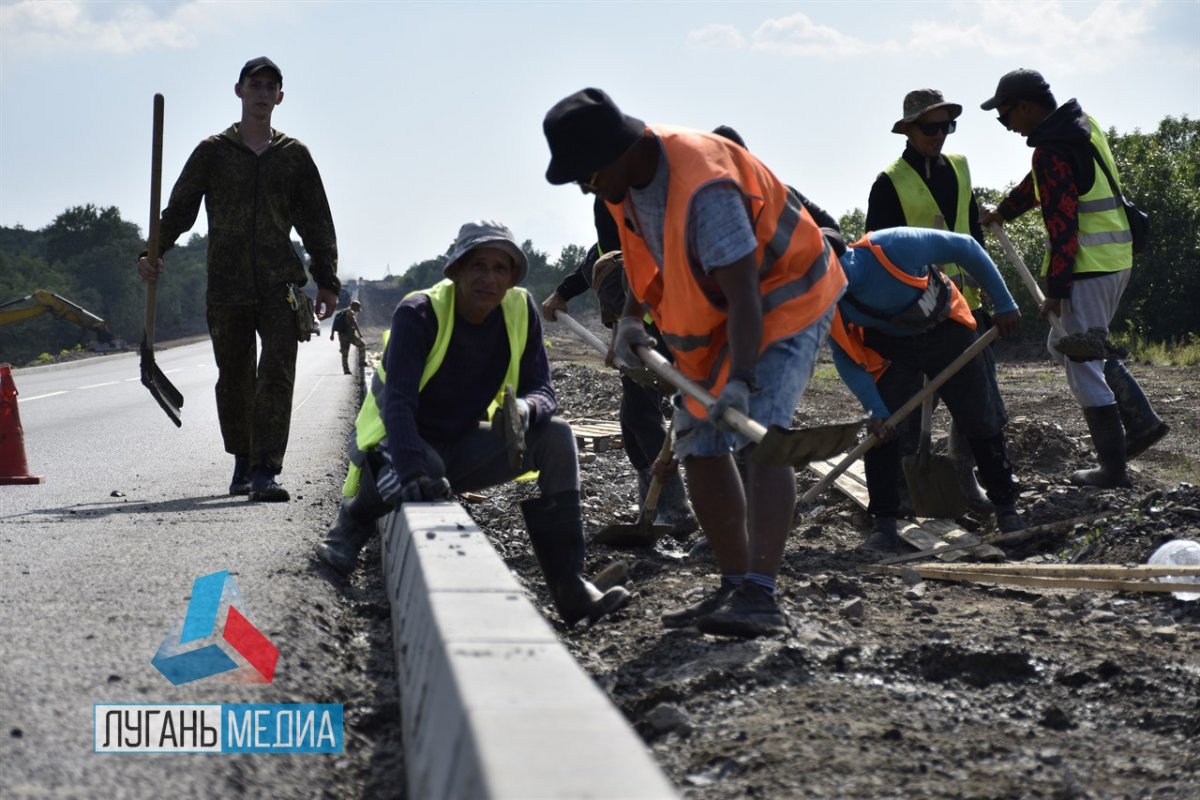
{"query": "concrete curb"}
[(492, 705)]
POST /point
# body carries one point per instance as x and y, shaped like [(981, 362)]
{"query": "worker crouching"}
[(468, 349)]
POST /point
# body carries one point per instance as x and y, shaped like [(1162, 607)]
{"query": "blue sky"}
[(422, 116)]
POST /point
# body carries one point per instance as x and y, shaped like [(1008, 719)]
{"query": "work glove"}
[(735, 394), (630, 334), (424, 489)]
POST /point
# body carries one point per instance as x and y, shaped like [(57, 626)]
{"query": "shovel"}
[(791, 446), (643, 533), (904, 410), (153, 378), (1087, 346), (933, 480)]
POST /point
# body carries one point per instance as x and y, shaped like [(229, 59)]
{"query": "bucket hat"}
[(919, 101), (586, 132), (492, 234)]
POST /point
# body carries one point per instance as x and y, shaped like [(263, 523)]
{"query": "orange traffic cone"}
[(13, 468)]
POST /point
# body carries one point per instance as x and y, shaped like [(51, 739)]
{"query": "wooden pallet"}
[(600, 435), (923, 534)]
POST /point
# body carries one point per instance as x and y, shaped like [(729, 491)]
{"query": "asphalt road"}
[(98, 564)]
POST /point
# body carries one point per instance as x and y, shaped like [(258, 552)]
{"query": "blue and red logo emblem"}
[(215, 638)]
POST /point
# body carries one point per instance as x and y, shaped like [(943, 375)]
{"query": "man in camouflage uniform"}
[(350, 334), (257, 184)]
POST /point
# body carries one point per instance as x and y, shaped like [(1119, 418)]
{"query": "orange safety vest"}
[(852, 338), (799, 275)]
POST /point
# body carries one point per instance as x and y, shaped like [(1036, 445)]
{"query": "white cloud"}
[(717, 37), (37, 29), (798, 36), (1045, 35)]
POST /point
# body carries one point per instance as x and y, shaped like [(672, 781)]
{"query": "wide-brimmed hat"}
[(1019, 84), (483, 232), (586, 132), (919, 101)]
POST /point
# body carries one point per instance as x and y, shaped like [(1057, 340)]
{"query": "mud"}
[(887, 690)]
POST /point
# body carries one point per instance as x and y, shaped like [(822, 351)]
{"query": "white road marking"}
[(98, 385), (37, 397), (316, 386)]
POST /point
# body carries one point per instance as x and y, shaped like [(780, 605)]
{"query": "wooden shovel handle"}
[(732, 417), (152, 253), (656, 485), (904, 410), (1026, 276)]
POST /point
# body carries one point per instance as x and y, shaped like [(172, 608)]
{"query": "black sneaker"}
[(748, 612), (1009, 520), (239, 484), (688, 615), (264, 489)]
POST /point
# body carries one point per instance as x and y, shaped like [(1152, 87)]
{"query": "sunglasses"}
[(1004, 115), (934, 128), (589, 182)]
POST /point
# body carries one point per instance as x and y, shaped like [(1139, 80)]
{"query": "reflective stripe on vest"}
[(852, 338), (921, 209), (799, 276), (369, 430), (1105, 241)]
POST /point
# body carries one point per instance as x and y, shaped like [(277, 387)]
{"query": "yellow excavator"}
[(44, 302)]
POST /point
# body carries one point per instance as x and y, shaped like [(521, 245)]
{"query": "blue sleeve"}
[(414, 328), (536, 388), (912, 248), (859, 381)]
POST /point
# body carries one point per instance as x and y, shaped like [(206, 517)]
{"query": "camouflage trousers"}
[(344, 341), (254, 388)]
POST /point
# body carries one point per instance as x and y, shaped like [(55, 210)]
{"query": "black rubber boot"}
[(991, 459), (1108, 437), (964, 460), (673, 508), (1142, 426), (556, 533), (345, 540), (264, 488)]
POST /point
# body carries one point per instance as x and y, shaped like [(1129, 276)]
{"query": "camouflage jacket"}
[(253, 202)]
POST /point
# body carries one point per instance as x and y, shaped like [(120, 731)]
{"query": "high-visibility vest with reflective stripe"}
[(1105, 241), (799, 275), (921, 209), (368, 427), (852, 338)]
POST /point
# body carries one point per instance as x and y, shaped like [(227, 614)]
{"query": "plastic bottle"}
[(1184, 552)]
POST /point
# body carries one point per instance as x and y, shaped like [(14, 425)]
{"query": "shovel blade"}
[(161, 389), (639, 534), (798, 447), (934, 485)]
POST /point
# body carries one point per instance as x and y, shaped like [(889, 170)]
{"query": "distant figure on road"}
[(467, 349), (257, 184), (345, 325), (1088, 260)]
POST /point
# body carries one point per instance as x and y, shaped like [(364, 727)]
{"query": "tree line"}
[(86, 254)]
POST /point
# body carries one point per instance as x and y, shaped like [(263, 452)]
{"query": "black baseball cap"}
[(257, 65), (1020, 84), (586, 132)]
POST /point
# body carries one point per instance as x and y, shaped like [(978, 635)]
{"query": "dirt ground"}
[(885, 690)]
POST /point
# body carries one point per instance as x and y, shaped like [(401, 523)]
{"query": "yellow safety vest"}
[(368, 427), (1105, 241), (920, 209)]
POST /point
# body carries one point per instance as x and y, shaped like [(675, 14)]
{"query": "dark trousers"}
[(643, 425), (254, 389), (971, 396)]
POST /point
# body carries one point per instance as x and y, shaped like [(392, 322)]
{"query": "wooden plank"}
[(852, 482), (1074, 570), (1099, 584)]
